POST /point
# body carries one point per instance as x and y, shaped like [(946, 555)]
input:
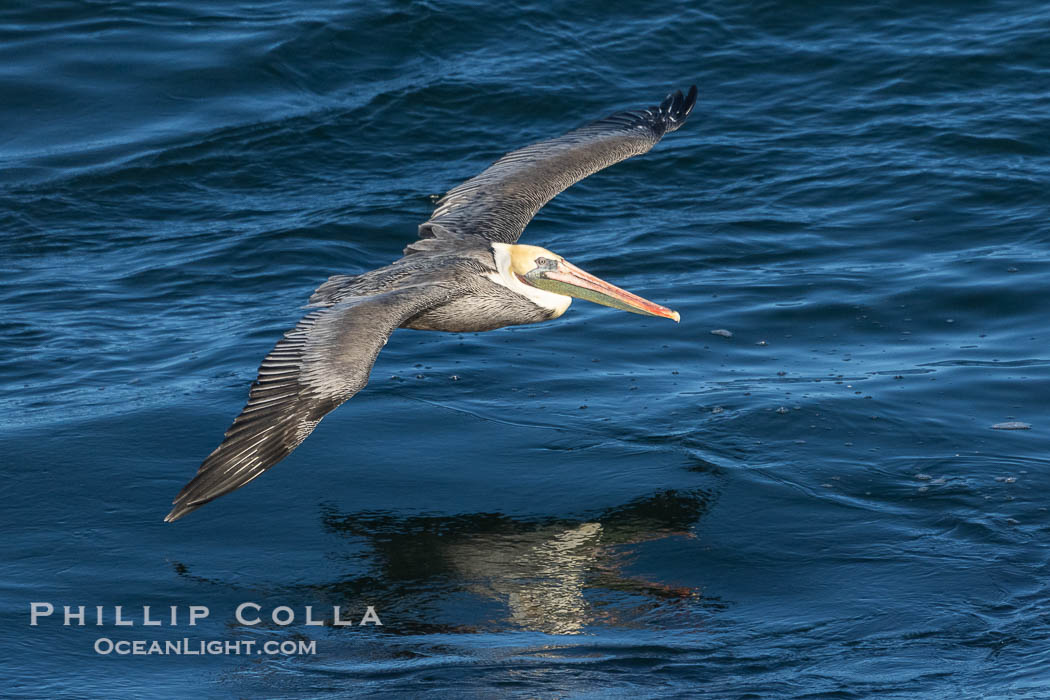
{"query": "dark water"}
[(604, 505)]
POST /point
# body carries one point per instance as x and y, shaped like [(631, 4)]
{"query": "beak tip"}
[(676, 317)]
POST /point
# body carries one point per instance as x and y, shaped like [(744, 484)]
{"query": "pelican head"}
[(540, 268)]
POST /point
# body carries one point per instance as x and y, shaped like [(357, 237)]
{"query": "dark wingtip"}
[(187, 501), (665, 106), (182, 504), (180, 510), (690, 101), (677, 107)]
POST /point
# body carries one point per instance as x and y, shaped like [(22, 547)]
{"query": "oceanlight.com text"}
[(203, 647)]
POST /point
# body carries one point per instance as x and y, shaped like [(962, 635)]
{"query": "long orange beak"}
[(571, 281)]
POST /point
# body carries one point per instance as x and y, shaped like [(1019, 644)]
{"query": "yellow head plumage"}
[(523, 257)]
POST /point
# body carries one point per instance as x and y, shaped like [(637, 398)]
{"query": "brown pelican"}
[(464, 274)]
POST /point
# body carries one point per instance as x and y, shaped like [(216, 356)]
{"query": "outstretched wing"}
[(318, 365), (499, 203)]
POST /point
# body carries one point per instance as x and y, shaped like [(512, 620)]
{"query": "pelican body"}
[(466, 273)]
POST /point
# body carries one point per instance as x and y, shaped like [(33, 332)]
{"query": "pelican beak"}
[(571, 281)]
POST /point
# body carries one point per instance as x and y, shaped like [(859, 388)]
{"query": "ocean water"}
[(816, 505)]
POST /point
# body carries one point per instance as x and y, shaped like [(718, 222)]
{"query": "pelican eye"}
[(542, 262)]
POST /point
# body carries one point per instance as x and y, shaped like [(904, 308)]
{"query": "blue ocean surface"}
[(814, 504)]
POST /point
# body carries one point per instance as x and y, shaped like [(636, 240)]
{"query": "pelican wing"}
[(499, 203), (318, 365)]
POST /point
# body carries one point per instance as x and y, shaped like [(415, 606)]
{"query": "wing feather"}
[(499, 203), (316, 366)]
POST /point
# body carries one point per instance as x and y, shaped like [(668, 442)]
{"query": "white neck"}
[(555, 303)]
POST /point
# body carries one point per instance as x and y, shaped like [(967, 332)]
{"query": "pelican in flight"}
[(466, 273)]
